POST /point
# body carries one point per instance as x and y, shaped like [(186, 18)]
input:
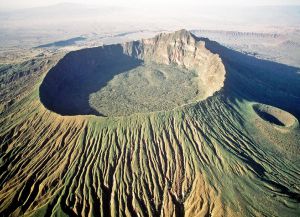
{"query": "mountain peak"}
[(182, 35), (182, 32), (182, 49), (172, 47)]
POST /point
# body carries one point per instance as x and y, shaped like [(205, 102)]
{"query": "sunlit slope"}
[(217, 157)]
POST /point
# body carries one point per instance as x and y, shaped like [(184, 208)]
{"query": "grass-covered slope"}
[(216, 157)]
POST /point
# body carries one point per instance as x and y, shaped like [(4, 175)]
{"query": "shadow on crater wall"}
[(263, 82), (67, 86), (268, 117), (259, 80)]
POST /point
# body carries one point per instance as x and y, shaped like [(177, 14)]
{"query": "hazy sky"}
[(17, 4)]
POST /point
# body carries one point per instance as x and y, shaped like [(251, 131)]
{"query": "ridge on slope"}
[(217, 157)]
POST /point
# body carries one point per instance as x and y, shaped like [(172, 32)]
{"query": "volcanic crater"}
[(275, 115), (157, 74), (235, 153)]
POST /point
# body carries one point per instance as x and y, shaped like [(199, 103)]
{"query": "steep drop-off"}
[(156, 74), (217, 156)]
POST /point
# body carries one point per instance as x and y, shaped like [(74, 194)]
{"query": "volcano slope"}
[(170, 126)]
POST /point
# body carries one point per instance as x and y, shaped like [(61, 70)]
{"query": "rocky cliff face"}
[(183, 49), (156, 74)]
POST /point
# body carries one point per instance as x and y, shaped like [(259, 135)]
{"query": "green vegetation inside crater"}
[(146, 88), (216, 157)]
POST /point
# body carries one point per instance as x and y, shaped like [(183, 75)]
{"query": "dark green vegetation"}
[(106, 82), (67, 87), (149, 87), (135, 77), (215, 157)]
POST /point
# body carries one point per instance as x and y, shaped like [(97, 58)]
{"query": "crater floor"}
[(157, 74), (226, 155), (146, 88)]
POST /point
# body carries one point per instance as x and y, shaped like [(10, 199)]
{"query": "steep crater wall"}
[(275, 116), (155, 74)]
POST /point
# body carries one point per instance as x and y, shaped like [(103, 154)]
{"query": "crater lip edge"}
[(275, 116), (69, 87)]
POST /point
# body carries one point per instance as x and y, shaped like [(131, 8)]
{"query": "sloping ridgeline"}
[(214, 157)]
